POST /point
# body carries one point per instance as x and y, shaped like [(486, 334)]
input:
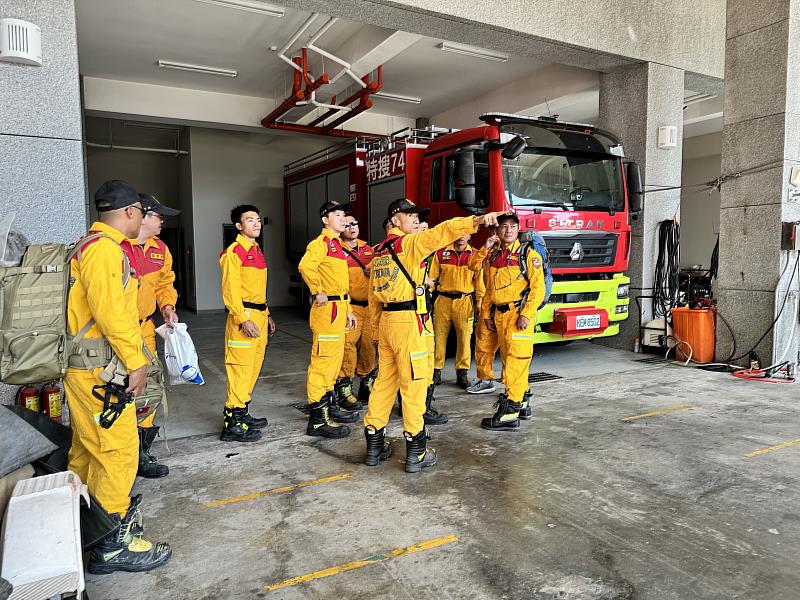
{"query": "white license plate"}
[(587, 322)]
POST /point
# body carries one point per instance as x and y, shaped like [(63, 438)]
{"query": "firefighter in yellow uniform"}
[(515, 290), (486, 344), (156, 291), (248, 326), (395, 285), (325, 272), (359, 353), (458, 291), (101, 322)]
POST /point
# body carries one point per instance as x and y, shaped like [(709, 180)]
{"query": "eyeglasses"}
[(144, 210), (352, 224), (161, 218)]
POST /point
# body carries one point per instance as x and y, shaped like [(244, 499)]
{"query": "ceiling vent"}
[(20, 42)]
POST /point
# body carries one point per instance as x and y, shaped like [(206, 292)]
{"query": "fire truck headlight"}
[(622, 291)]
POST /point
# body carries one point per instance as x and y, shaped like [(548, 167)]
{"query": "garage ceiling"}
[(124, 39)]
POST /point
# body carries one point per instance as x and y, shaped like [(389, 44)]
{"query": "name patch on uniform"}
[(156, 256)]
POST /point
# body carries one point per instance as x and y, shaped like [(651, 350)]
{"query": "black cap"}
[(386, 222), (406, 206), (114, 194), (151, 202), (509, 216), (333, 206)]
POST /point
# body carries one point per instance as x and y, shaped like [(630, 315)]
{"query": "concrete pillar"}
[(760, 140), (42, 175), (634, 102)]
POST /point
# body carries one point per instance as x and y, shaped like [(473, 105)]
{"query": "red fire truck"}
[(569, 182)]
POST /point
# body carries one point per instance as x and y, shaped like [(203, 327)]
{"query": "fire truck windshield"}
[(564, 181)]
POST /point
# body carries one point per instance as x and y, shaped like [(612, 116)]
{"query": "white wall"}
[(699, 208), (230, 168)]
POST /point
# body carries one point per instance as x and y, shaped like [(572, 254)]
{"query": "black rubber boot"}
[(437, 376), (337, 414), (234, 428), (462, 380), (525, 412), (344, 395), (506, 417), (377, 448), (148, 464), (251, 421), (418, 455), (365, 388), (125, 550), (432, 416), (320, 423)]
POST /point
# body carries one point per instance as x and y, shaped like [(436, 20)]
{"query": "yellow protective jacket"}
[(156, 277), (359, 280), (324, 265), (505, 282), (244, 277), (387, 283), (97, 293), (453, 274)]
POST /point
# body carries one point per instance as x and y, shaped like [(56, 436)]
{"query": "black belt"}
[(397, 306), (335, 298), (453, 295), (355, 302), (254, 305), (504, 308), (146, 319)]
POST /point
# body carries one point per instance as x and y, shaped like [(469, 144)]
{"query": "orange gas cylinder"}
[(51, 401), (696, 328), (28, 396)]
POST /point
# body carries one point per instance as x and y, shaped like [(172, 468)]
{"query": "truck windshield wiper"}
[(537, 208), (609, 209)]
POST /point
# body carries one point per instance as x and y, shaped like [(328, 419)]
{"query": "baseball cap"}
[(406, 206), (152, 203), (334, 205), (509, 216), (115, 194)]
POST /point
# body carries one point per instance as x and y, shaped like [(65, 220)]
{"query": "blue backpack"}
[(538, 243)]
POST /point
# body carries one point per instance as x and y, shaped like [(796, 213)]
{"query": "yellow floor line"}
[(357, 564), (658, 412), (279, 490), (769, 449)]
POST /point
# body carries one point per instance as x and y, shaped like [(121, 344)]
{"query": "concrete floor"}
[(577, 505)]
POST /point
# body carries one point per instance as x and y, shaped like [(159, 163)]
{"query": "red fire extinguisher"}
[(28, 396), (51, 401)]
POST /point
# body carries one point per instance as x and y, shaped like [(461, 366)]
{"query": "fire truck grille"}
[(579, 251)]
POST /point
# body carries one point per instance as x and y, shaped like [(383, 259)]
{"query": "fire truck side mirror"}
[(464, 182), (514, 148), (635, 192)]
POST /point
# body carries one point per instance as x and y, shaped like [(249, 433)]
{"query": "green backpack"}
[(34, 344)]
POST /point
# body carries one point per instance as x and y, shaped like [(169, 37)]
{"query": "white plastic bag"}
[(180, 355)]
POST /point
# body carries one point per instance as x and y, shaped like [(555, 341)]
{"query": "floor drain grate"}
[(652, 360), (542, 376)]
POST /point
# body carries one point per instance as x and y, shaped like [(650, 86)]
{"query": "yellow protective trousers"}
[(359, 352), (404, 365), (516, 350), (148, 328), (486, 345), (460, 313), (244, 356), (106, 460), (329, 326)]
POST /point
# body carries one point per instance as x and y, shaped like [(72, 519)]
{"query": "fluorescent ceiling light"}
[(178, 66), (150, 126), (397, 97), (249, 6), (694, 98), (473, 51)]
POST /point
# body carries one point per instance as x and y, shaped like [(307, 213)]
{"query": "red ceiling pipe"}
[(311, 86), (296, 96), (371, 88), (364, 104)]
